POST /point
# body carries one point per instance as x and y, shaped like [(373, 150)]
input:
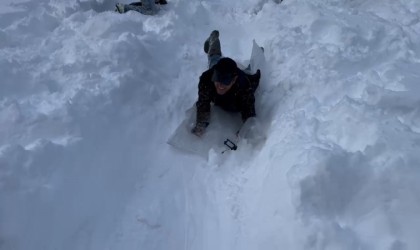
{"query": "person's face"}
[(221, 89)]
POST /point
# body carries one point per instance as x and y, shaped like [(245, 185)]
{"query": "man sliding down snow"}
[(225, 85), (146, 7)]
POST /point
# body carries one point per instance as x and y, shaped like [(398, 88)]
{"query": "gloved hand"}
[(200, 128)]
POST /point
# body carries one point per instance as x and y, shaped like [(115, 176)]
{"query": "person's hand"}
[(199, 129)]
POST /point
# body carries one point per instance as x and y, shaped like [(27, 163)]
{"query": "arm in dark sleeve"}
[(203, 103), (248, 104)]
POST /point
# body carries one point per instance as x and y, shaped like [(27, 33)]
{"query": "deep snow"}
[(89, 97)]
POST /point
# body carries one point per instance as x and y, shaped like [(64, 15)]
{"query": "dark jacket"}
[(240, 98)]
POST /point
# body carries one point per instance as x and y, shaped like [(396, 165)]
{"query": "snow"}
[(89, 97)]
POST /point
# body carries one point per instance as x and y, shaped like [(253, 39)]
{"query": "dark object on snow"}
[(146, 7), (161, 2), (230, 144)]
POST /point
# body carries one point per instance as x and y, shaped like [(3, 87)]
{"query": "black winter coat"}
[(240, 98)]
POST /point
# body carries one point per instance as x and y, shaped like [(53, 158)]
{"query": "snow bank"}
[(89, 97)]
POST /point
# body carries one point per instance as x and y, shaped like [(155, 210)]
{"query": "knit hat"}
[(224, 71)]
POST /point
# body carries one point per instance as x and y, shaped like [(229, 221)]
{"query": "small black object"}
[(230, 144)]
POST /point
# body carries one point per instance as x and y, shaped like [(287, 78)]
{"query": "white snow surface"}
[(89, 97)]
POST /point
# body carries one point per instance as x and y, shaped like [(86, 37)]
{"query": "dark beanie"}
[(224, 71)]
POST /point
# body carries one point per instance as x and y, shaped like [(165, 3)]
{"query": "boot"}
[(161, 2), (212, 44), (136, 4), (119, 7)]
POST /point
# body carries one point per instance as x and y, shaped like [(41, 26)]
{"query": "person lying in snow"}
[(146, 7), (225, 85)]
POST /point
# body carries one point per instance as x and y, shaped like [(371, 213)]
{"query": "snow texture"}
[(89, 97)]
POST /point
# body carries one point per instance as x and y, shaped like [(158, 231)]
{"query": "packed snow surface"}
[(89, 97)]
